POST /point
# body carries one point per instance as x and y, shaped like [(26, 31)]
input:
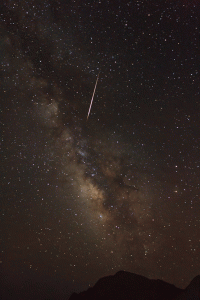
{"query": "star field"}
[(84, 199)]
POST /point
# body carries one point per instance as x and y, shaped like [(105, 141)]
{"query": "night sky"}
[(82, 199)]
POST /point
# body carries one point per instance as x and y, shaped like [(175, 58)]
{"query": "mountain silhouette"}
[(192, 291), (130, 286)]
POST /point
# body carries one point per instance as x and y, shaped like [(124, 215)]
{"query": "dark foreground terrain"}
[(130, 286)]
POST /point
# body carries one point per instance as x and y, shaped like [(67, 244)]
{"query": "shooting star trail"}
[(92, 97)]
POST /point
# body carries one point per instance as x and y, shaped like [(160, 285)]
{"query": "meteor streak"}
[(92, 97)]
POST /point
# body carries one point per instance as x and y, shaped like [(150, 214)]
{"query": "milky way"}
[(120, 191), (106, 175)]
